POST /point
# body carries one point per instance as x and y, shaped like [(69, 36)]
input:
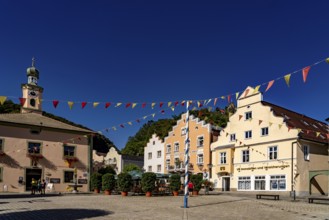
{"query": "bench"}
[(259, 196), (311, 199)]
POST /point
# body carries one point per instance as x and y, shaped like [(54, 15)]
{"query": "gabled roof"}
[(311, 129), (34, 119)]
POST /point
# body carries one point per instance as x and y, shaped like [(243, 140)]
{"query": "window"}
[(69, 151), (245, 156), (34, 148), (159, 168), (232, 137), (278, 182), (168, 148), (153, 142), (159, 153), (183, 131), (200, 141), (247, 134), (149, 156), (68, 176), (248, 115), (1, 145), (259, 182), (223, 158), (167, 164), (200, 159), (244, 183), (149, 169), (176, 147), (273, 153), (306, 150), (264, 131)]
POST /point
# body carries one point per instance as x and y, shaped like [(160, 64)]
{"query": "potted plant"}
[(96, 182), (148, 183), (175, 183), (207, 185), (108, 183), (196, 179), (125, 182)]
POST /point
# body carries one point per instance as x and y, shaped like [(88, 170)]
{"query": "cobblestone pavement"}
[(100, 207)]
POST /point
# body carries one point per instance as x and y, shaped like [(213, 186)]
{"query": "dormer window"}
[(248, 115)]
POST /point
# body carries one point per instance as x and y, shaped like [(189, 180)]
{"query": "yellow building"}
[(265, 147), (201, 135)]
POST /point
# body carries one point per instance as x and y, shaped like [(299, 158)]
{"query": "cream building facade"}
[(201, 135), (154, 155), (35, 146), (267, 148)]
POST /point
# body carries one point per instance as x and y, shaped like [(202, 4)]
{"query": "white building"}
[(154, 155)]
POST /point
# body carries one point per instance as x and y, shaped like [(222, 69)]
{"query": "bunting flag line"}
[(305, 73), (95, 104), (270, 84), (2, 99), (70, 104), (287, 79), (22, 101)]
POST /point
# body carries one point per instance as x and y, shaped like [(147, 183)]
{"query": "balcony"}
[(179, 168)]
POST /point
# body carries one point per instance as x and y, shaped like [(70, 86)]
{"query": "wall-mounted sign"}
[(55, 180), (262, 167), (82, 181)]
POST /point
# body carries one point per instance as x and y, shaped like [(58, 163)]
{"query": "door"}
[(32, 173), (226, 184)]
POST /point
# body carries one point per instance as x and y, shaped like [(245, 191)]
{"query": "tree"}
[(131, 167), (107, 169)]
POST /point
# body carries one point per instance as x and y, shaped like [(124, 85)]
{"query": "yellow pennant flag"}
[(118, 104), (144, 117), (317, 134), (70, 104), (198, 104), (153, 115), (114, 128), (287, 79), (2, 99), (169, 104), (153, 104), (237, 95), (133, 105), (95, 104), (172, 108), (194, 108), (129, 123), (280, 126), (270, 124), (256, 89), (222, 97)]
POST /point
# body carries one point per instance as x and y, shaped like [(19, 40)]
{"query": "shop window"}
[(68, 176), (244, 183), (259, 182), (278, 182)]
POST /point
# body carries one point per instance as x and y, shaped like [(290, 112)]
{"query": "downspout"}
[(293, 192)]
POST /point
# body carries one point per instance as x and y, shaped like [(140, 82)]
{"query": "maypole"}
[(187, 147)]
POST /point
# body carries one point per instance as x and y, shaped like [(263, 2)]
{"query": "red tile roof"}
[(311, 129)]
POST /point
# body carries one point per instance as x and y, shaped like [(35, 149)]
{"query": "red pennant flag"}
[(305, 73), (162, 111), (107, 104), (55, 103), (138, 120), (22, 101), (83, 104), (161, 104), (240, 116), (259, 122), (307, 131), (144, 104), (183, 103), (128, 104), (122, 126), (247, 91), (269, 85), (222, 111), (240, 142), (229, 98)]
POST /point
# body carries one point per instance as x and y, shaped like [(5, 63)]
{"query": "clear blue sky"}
[(161, 51)]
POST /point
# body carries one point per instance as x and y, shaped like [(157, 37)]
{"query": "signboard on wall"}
[(55, 180), (82, 181)]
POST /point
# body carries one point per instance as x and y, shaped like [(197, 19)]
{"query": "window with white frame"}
[(168, 149), (159, 153), (200, 159), (273, 153), (264, 131), (247, 134), (306, 150), (244, 183), (248, 115), (259, 182), (278, 182), (200, 141), (183, 131), (222, 158), (232, 137), (150, 155), (149, 169), (159, 168), (176, 147), (245, 156), (167, 163)]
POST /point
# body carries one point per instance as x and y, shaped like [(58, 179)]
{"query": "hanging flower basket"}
[(70, 160)]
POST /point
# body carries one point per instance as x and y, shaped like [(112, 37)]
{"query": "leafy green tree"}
[(131, 167), (9, 107), (107, 169)]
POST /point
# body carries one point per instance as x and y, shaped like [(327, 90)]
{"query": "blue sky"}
[(161, 51)]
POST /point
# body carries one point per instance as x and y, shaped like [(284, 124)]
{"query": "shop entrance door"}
[(226, 184), (32, 173)]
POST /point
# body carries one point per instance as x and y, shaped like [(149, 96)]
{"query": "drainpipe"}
[(293, 192)]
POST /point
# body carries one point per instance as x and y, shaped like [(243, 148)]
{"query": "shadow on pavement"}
[(216, 203), (72, 214)]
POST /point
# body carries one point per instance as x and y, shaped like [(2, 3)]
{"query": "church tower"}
[(32, 93)]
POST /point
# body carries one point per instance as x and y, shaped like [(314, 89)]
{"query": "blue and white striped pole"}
[(187, 148)]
